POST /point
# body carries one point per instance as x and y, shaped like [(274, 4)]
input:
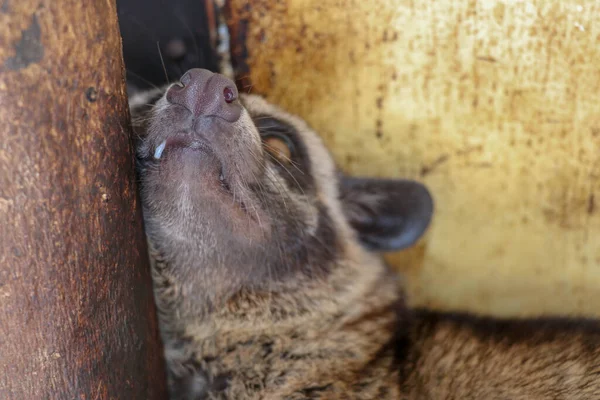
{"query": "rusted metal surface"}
[(77, 319), (494, 105)]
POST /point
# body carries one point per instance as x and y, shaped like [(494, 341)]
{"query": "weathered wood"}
[(77, 319), (494, 105)]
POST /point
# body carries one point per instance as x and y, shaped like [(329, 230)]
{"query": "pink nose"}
[(206, 94)]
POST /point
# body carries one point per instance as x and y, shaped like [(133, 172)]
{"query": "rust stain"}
[(237, 23), (427, 169), (506, 91), (487, 59)]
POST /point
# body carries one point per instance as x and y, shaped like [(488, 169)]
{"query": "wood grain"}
[(77, 319)]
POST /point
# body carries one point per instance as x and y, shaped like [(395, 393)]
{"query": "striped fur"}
[(307, 312)]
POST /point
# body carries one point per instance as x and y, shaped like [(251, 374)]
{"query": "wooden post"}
[(77, 319)]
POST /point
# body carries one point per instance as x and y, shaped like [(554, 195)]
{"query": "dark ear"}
[(388, 214)]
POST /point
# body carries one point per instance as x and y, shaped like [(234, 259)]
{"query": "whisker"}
[(187, 27), (136, 21), (280, 186), (289, 173), (265, 130), (262, 117), (147, 105), (292, 162), (138, 76), (245, 184), (162, 60), (267, 172)]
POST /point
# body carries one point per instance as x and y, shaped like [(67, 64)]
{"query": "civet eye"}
[(279, 146)]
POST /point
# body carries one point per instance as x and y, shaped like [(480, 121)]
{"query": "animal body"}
[(268, 276)]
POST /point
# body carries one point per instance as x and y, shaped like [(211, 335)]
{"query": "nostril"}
[(229, 94), (174, 95), (185, 79), (205, 93)]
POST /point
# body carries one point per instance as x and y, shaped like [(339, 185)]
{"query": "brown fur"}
[(326, 319)]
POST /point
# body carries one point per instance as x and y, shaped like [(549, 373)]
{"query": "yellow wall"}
[(495, 105)]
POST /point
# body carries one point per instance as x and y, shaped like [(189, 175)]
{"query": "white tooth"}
[(159, 150)]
